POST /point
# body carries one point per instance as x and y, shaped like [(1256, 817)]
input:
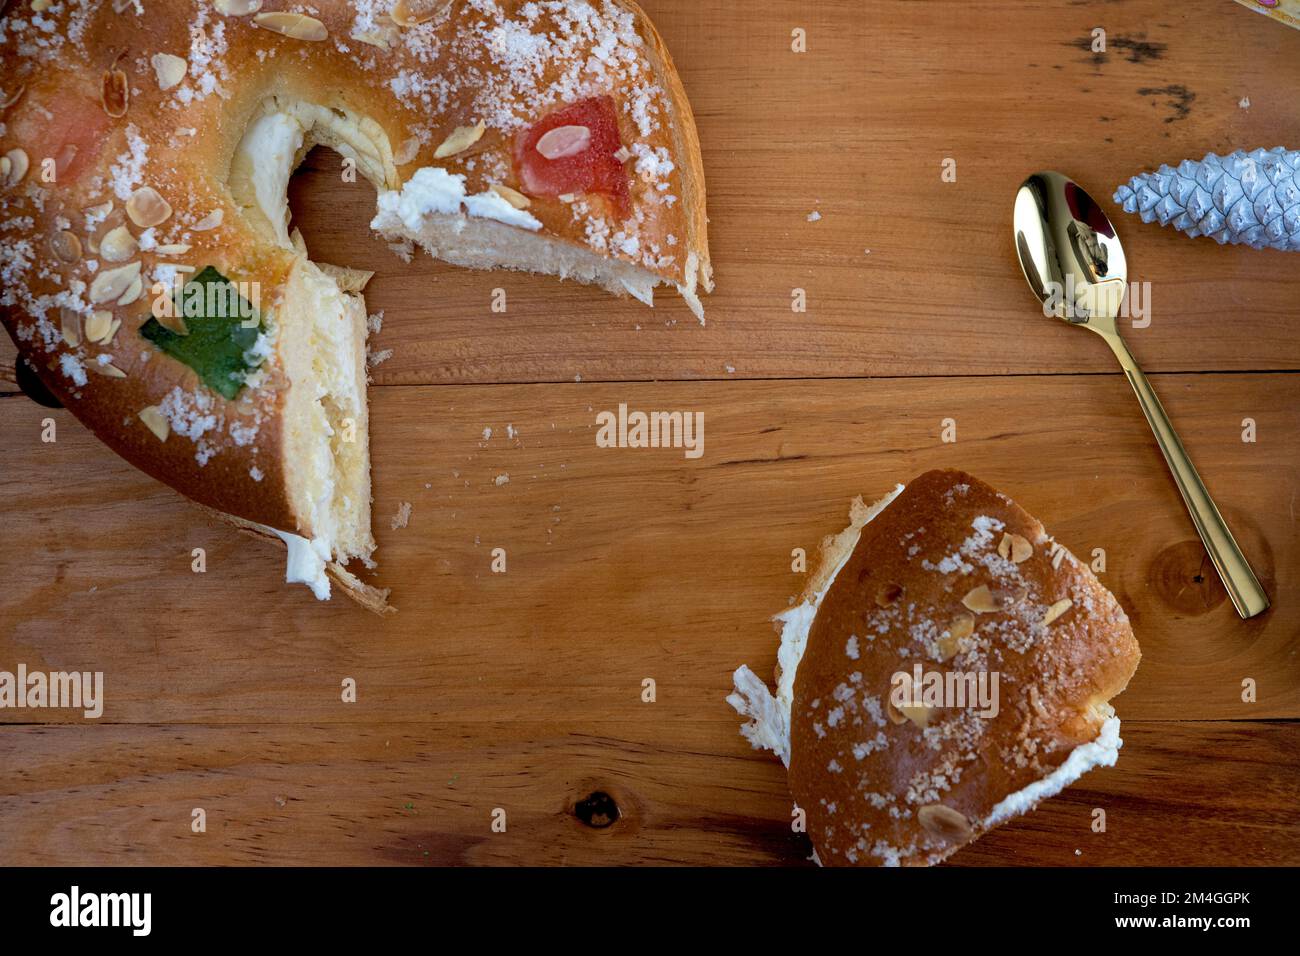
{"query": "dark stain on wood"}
[(1179, 100), (1136, 49)]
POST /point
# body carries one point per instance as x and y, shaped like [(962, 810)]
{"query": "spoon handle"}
[(1248, 596)]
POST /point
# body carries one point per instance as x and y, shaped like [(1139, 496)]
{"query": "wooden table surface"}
[(522, 692)]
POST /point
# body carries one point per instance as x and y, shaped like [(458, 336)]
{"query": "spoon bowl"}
[(1069, 251), (1073, 261)]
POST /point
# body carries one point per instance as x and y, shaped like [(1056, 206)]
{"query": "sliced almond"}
[(918, 714), (18, 165), (66, 246), (155, 421), (106, 369), (892, 712), (133, 291), (512, 196), (12, 98), (237, 8), (962, 627), (172, 321), (461, 139), (40, 6), (6, 164), (888, 594), (1058, 555), (147, 208), (564, 141), (115, 93), (111, 283), (99, 326), (623, 154), (169, 69), (980, 600), (411, 13), (944, 822), (210, 221), (1018, 549), (382, 35), (1056, 610), (99, 212), (1004, 547), (70, 323), (64, 159), (172, 249), (407, 151), (298, 26), (1036, 702), (118, 245)]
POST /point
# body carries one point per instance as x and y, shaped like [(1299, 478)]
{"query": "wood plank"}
[(856, 129), (632, 563), (523, 690), (687, 792)]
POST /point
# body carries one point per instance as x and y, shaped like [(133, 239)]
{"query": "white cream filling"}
[(271, 145), (306, 564), (267, 154), (1102, 752), (332, 381), (432, 190), (769, 716)]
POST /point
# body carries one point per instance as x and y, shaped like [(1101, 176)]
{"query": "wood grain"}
[(856, 129), (624, 564), (687, 792), (523, 690)]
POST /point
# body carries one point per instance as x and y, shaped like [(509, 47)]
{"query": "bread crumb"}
[(403, 516), (501, 479)]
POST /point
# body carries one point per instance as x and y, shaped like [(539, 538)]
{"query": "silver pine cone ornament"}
[(1244, 197)]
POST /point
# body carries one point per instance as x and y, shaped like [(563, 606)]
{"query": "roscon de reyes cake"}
[(153, 280), (948, 577)]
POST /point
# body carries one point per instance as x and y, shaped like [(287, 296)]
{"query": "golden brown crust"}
[(687, 145), (470, 62), (864, 771)]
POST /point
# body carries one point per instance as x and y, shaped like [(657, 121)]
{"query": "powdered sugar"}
[(207, 68), (71, 366), (128, 172), (596, 50), (192, 415)]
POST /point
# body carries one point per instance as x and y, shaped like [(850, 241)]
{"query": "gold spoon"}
[(1073, 261)]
